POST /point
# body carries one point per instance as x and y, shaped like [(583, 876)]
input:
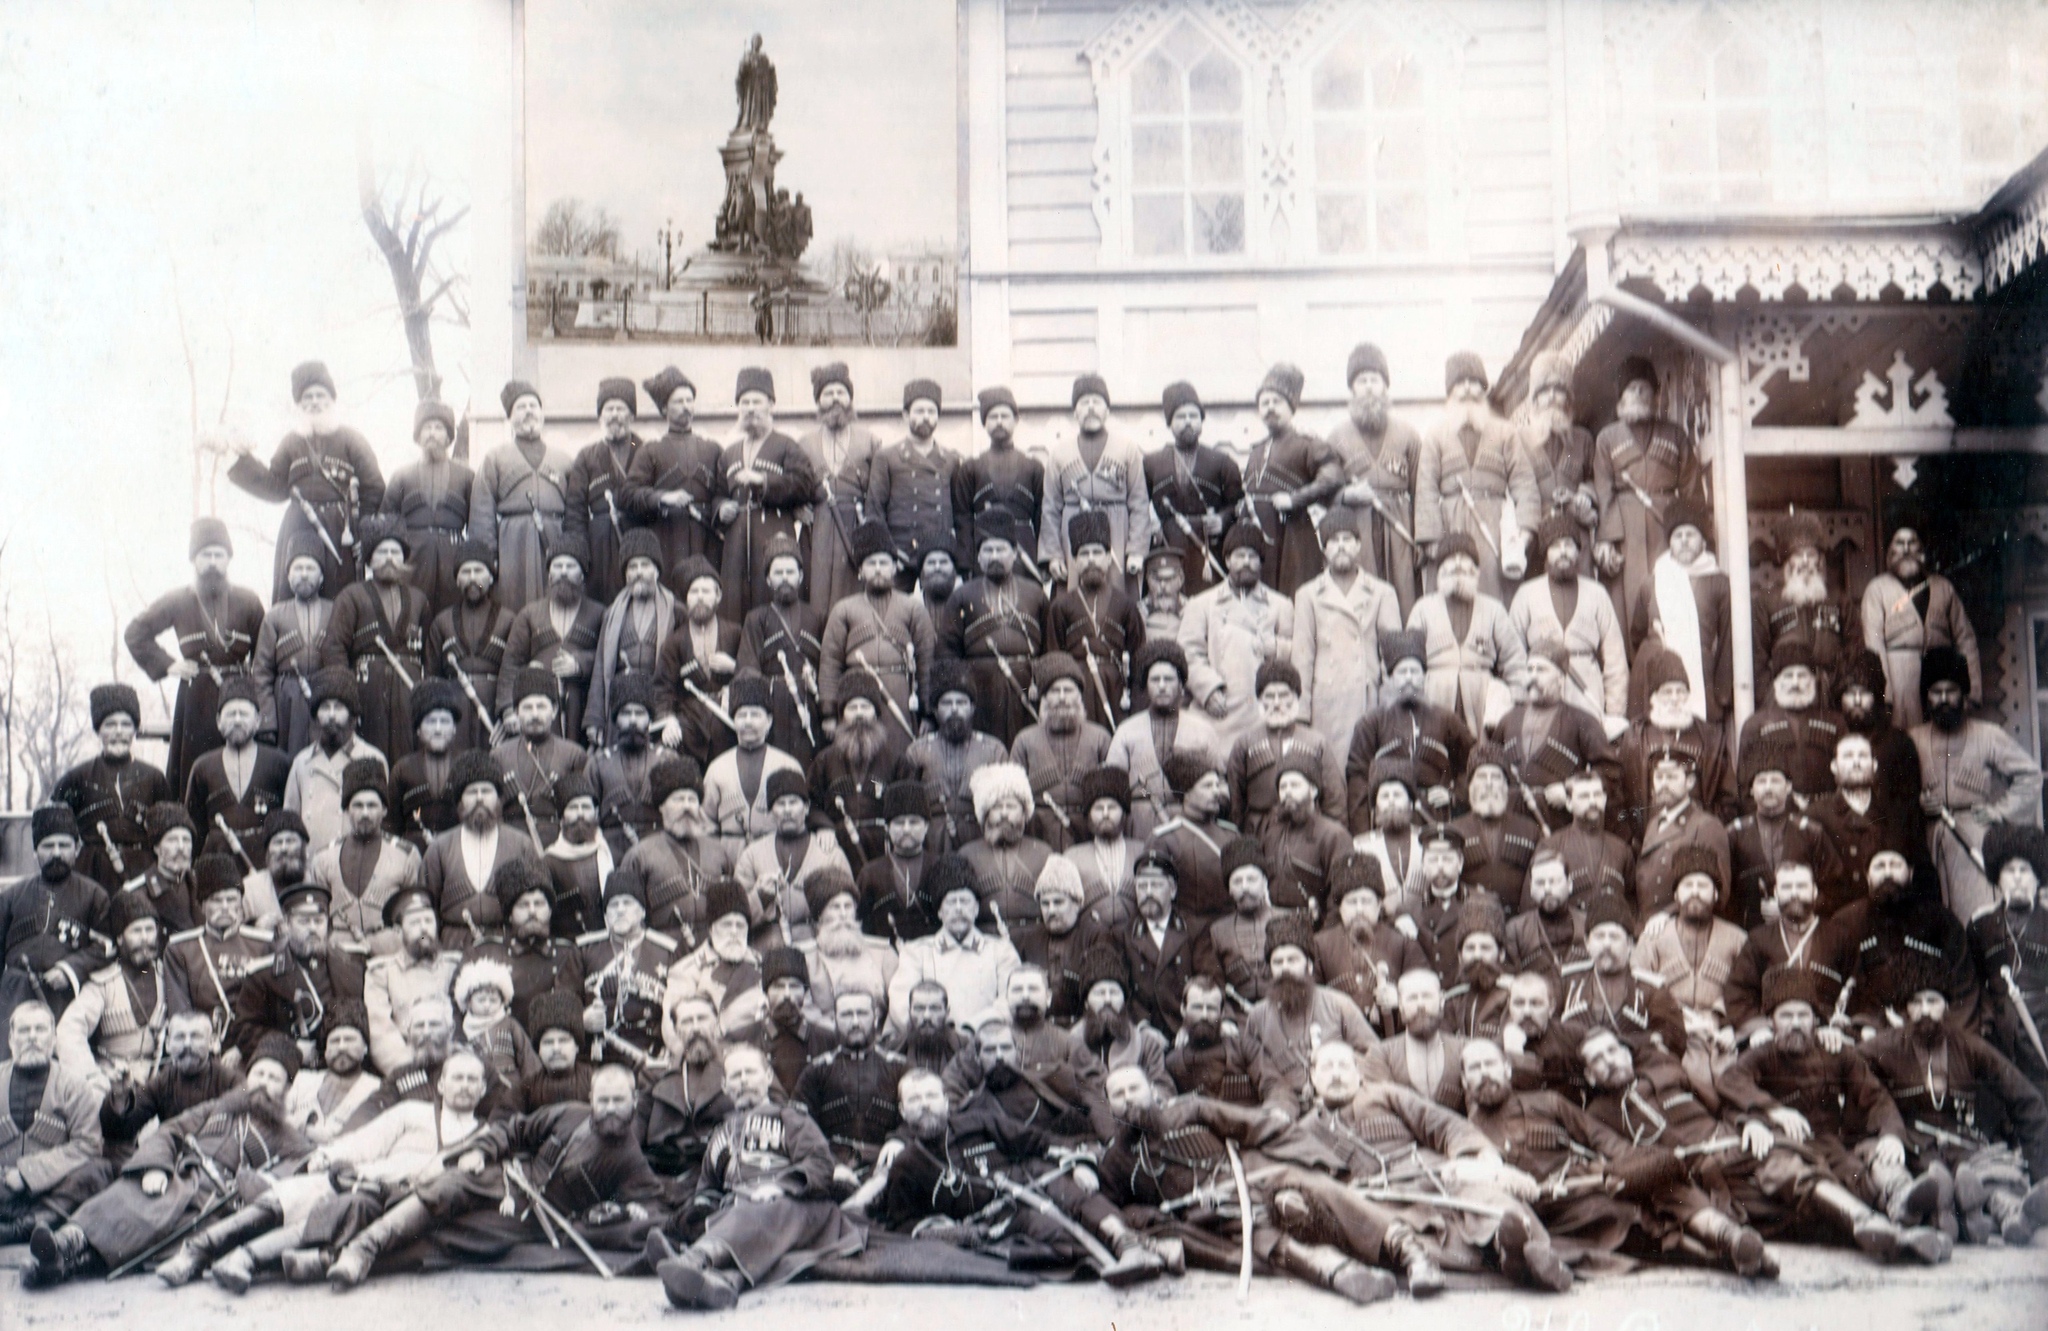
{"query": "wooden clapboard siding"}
[(1049, 132)]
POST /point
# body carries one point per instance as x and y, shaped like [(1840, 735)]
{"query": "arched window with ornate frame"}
[(1186, 145)]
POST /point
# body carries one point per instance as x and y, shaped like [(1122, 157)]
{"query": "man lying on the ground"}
[(188, 1167), (566, 1164)]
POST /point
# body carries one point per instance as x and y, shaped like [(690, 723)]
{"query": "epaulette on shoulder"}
[(1988, 908), (185, 935), (594, 936), (1575, 968), (1457, 990), (1651, 978), (661, 940), (1171, 824), (135, 883), (451, 954), (259, 935)]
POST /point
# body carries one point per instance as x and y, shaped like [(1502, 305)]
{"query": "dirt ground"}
[(1821, 1290)]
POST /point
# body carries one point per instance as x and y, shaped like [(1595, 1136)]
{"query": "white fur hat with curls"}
[(991, 783), (478, 973)]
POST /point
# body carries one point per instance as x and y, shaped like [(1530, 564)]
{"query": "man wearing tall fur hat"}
[(1002, 480), (1094, 470), (639, 621), (216, 624), (842, 451), (1973, 777), (1804, 607), (1160, 725), (431, 498), (736, 781), (535, 759), (1196, 488), (557, 632), (468, 639), (324, 473), (378, 634), (994, 623), (783, 638), (1339, 616), (765, 482), (671, 484), (1576, 611), (946, 756), (364, 868), (109, 793), (1642, 464), (1007, 861), (1685, 608), (1229, 631), (1473, 659), (1909, 609), (910, 486), (2009, 938), (520, 495), (699, 657), (1095, 621), (1473, 476), (882, 633), (595, 493), (114, 1029), (1060, 749), (315, 788), (1797, 717), (242, 781), (288, 650), (1379, 451), (1286, 472), (1560, 450)]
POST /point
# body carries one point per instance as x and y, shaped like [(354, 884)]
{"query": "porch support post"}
[(1731, 515)]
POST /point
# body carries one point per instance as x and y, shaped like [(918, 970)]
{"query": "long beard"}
[(784, 593), (1947, 717), (1291, 994), (840, 941), (1204, 1034), (1677, 718), (1369, 413), (1062, 720), (565, 591), (860, 742), (927, 1040), (1805, 588), (1103, 1029), (956, 729)]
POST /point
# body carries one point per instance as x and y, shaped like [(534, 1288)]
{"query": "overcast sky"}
[(629, 101), (199, 154)]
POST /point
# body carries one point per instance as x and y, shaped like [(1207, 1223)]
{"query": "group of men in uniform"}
[(724, 859)]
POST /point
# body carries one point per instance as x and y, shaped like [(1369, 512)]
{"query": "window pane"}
[(1340, 79), (1156, 155), (1219, 154), (1741, 71), (1745, 143), (2041, 656), (1155, 87), (1155, 224), (1682, 77), (1404, 221), (1214, 85), (1341, 224), (1396, 84), (1403, 153), (1682, 143), (1343, 153), (1219, 223)]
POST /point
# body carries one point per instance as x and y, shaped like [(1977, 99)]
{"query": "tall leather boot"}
[(198, 1251), (1324, 1265), (55, 1255), (236, 1270), (1873, 1233), (2015, 1215), (1908, 1200), (1738, 1245), (407, 1220), (1526, 1254), (1944, 1200), (1410, 1251), (693, 1284)]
